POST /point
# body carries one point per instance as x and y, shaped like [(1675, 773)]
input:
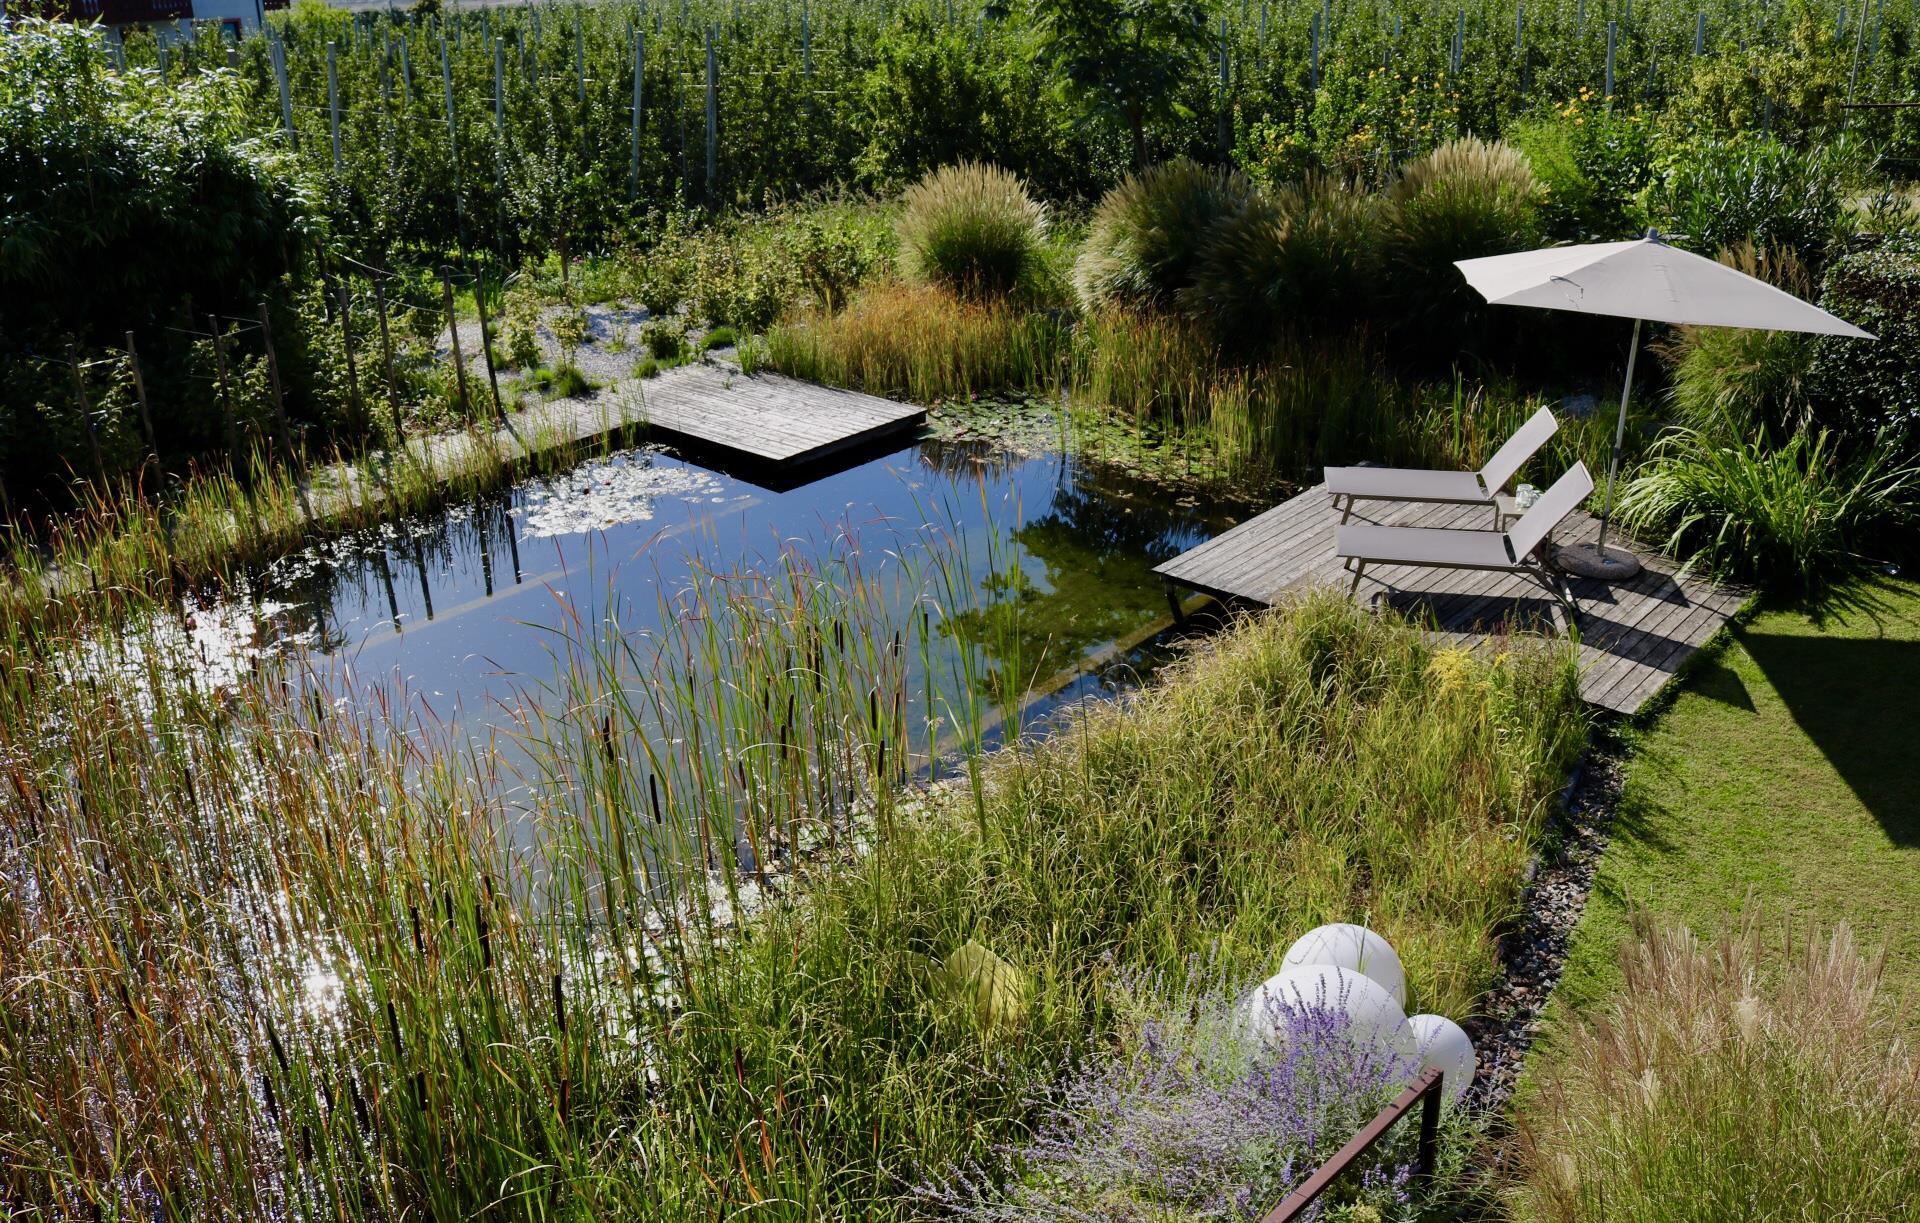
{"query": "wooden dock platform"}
[(1633, 637), (768, 418)]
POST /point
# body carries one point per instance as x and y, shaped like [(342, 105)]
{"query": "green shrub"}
[(1717, 193), (1794, 518), (561, 380), (1145, 241), (1592, 161), (521, 317), (127, 203), (1298, 258), (971, 229), (664, 340), (1722, 1083), (1466, 199), (835, 252), (660, 278), (718, 337), (1865, 386), (1734, 382), (739, 282)]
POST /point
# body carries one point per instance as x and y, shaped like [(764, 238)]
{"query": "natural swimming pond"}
[(1036, 565)]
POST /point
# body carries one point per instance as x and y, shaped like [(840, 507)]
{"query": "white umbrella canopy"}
[(1644, 280)]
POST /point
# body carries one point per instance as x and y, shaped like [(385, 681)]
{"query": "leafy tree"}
[(1127, 59)]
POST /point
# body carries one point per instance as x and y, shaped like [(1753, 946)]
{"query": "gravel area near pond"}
[(1533, 955)]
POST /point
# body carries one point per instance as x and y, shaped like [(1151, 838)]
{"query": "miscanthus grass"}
[(1729, 1082), (693, 952)]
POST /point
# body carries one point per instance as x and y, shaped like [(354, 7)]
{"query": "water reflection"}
[(1057, 556)]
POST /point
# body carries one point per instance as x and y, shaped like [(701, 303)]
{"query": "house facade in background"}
[(168, 19)]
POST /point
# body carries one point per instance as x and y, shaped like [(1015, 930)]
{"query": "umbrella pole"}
[(1619, 440)]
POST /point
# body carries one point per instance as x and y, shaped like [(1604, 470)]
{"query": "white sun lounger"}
[(1510, 551), (1444, 487)]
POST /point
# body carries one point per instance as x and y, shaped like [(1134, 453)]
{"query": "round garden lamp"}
[(1645, 280)]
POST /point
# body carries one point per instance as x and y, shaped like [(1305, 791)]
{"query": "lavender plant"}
[(1196, 1114)]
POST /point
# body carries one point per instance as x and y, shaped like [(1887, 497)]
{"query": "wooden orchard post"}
[(85, 408), (280, 411), (353, 370), (486, 342), (226, 388), (453, 331), (146, 412), (1313, 51), (386, 355), (1613, 28)]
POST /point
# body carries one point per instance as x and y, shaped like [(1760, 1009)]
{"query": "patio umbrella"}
[(1644, 280)]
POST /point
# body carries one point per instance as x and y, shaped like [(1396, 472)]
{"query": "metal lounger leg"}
[(1358, 570)]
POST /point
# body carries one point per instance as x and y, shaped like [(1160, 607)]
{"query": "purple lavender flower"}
[(1192, 1116)]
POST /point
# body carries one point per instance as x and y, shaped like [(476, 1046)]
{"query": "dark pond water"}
[(464, 608)]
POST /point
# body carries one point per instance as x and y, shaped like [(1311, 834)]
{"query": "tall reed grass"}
[(923, 343), (121, 545), (262, 958)]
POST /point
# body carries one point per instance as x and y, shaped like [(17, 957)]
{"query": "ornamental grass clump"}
[(1191, 1116), (1796, 518), (1147, 235), (971, 229), (1735, 382), (1466, 199), (1729, 1080), (1299, 258)]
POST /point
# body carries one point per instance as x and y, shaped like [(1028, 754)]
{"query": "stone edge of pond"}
[(1533, 954)]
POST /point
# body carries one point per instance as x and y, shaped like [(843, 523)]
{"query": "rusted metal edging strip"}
[(1424, 1091)]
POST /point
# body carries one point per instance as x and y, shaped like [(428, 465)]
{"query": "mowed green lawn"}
[(1787, 774)]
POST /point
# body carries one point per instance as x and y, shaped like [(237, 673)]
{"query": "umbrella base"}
[(1589, 561)]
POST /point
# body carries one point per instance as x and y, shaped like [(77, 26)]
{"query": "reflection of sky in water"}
[(463, 607)]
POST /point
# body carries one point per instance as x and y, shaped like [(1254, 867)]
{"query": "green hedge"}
[(1867, 385)]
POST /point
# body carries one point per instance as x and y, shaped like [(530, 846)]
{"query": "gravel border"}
[(1534, 954)]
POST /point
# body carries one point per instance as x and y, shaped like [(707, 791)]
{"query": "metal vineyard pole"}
[(277, 51), (713, 115), (333, 101), (639, 88)]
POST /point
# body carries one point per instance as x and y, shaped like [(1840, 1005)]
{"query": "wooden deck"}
[(1633, 637), (770, 419)]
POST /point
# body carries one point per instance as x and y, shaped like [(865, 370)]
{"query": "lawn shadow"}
[(1713, 679), (1855, 698)]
